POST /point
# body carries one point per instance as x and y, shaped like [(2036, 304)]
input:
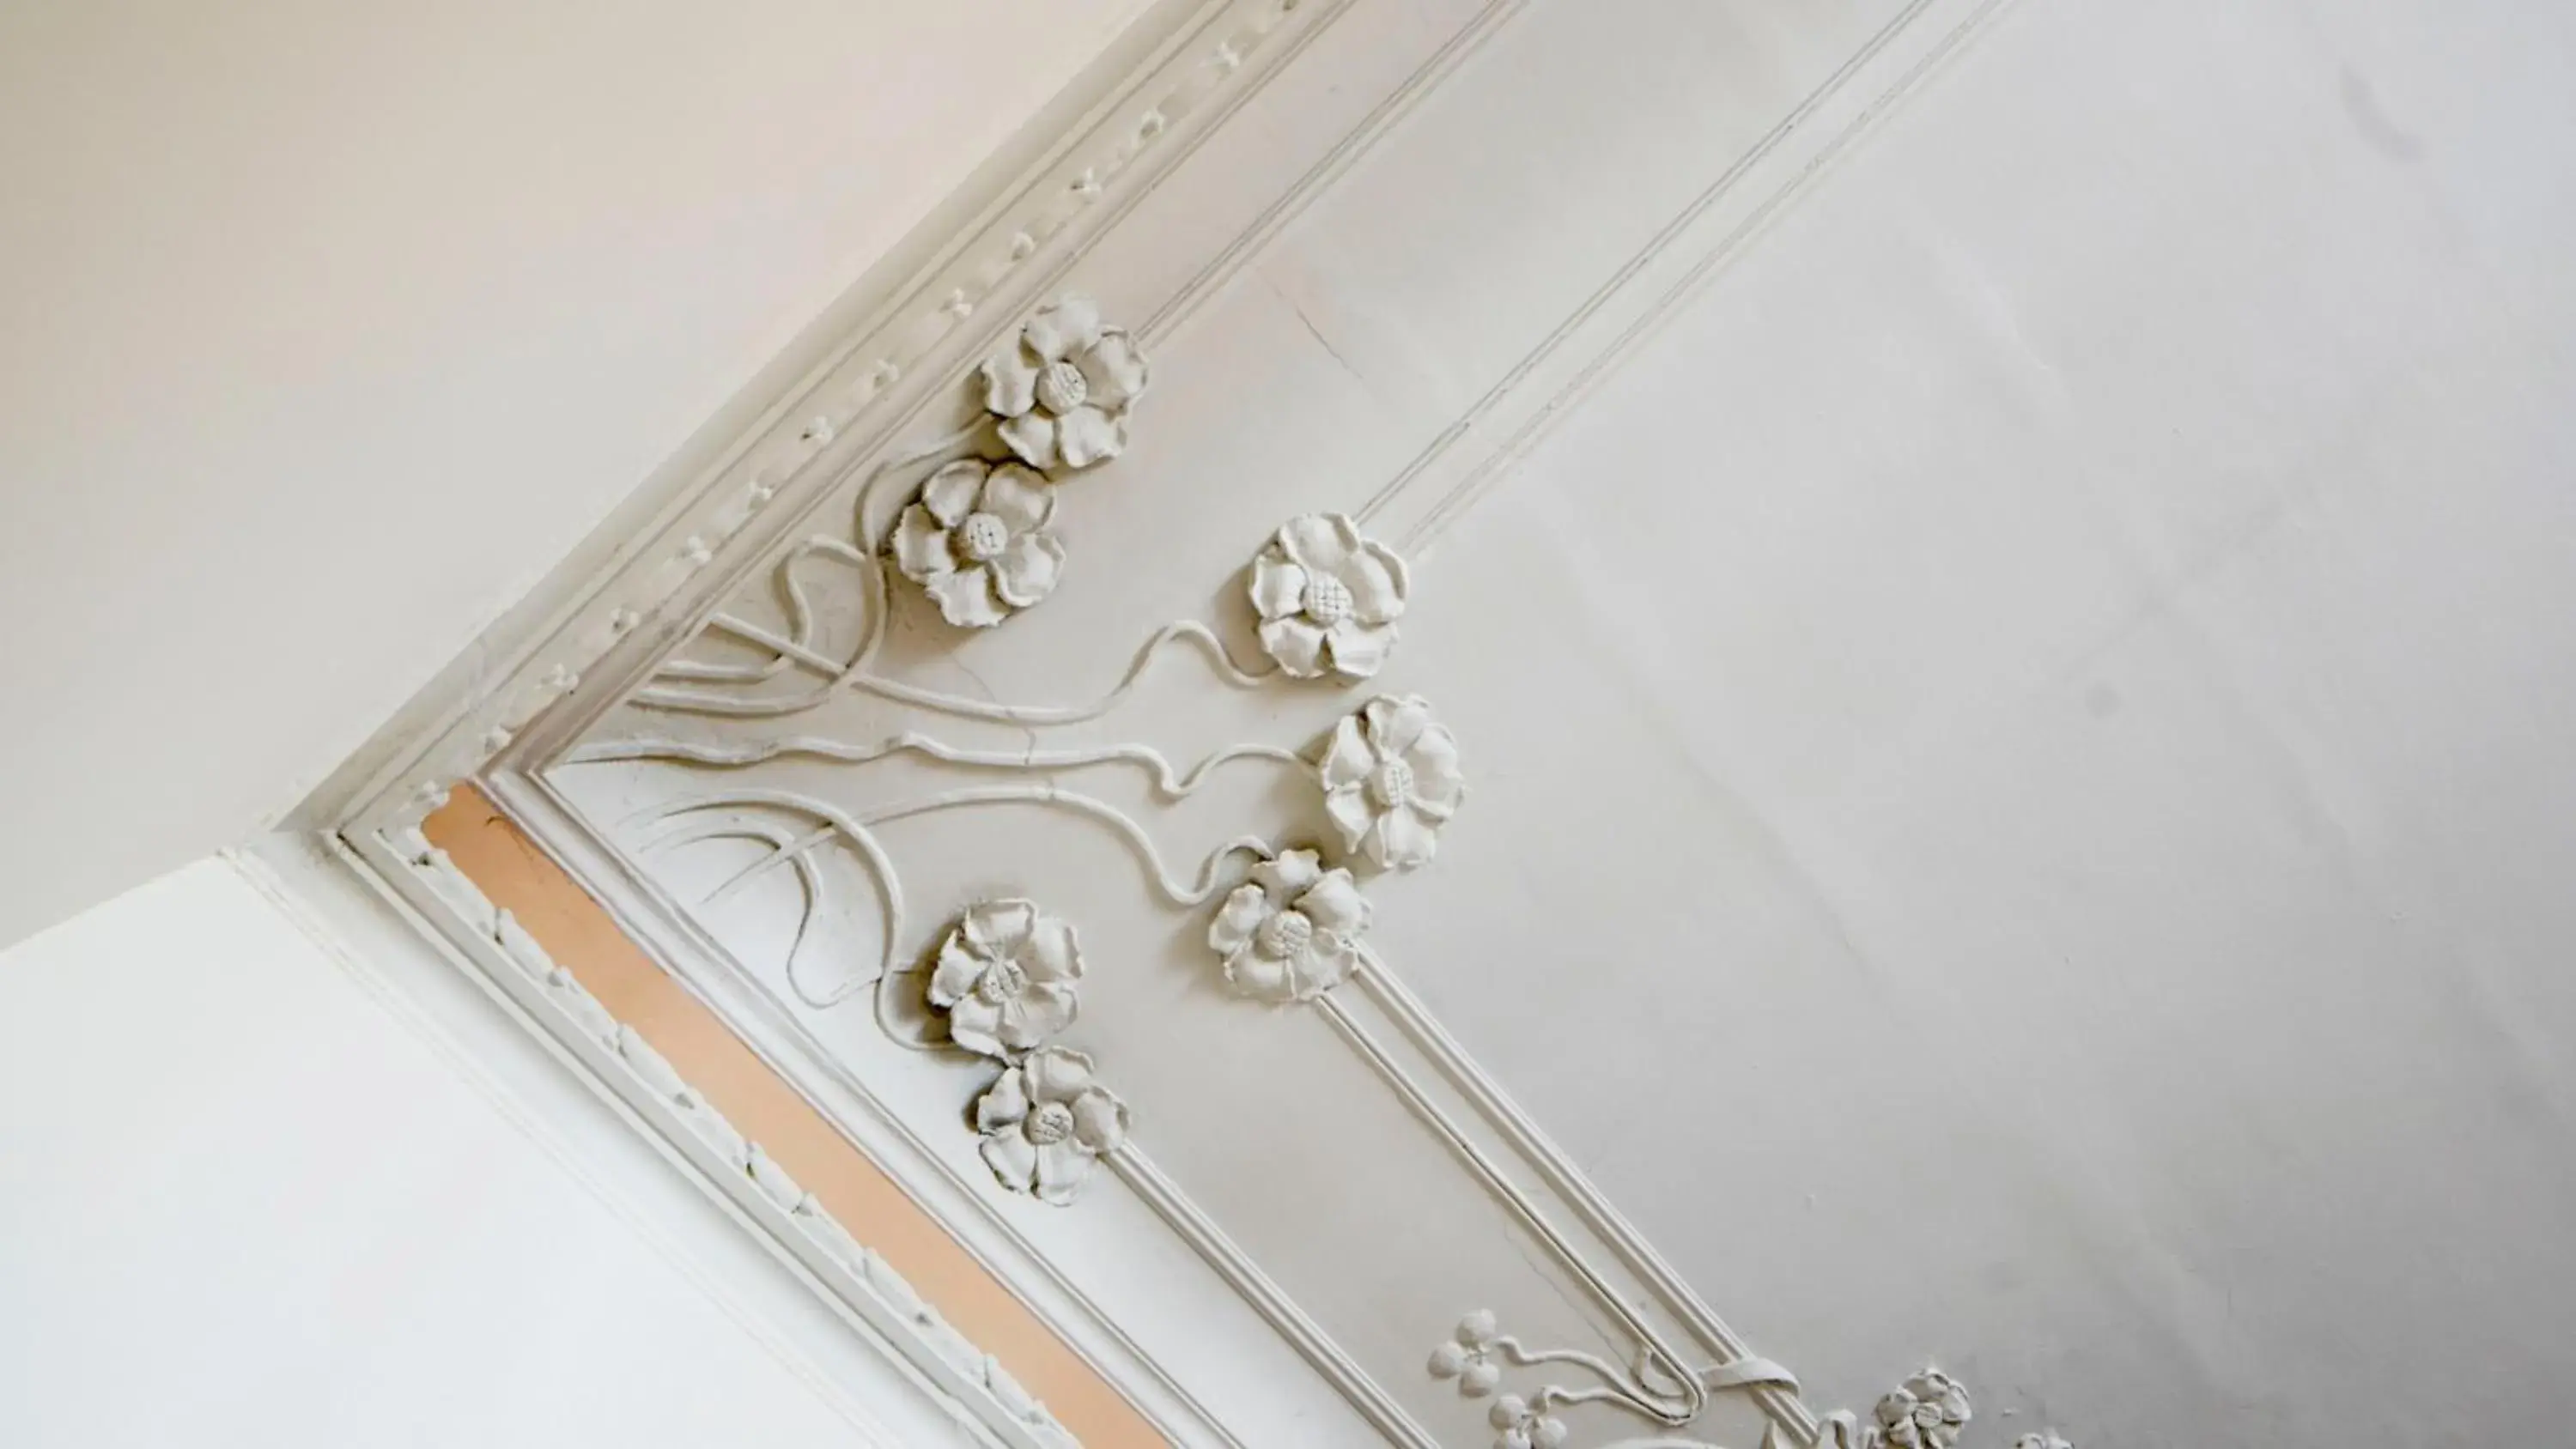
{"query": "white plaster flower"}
[(977, 541), (1005, 977), (1525, 1425), (1328, 598), (1927, 1413), (1470, 1356), (1391, 780), (1064, 387), (1046, 1122), (1292, 932)]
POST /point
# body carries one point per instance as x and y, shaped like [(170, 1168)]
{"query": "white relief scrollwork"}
[(1391, 780), (1045, 1122), (1328, 598), (976, 538), (1063, 388), (1292, 932), (1930, 1410)]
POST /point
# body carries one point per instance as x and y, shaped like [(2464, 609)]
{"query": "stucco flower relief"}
[(1292, 932), (1006, 978), (1064, 387), (1471, 1356), (1391, 781), (977, 541), (1328, 598), (1927, 1413), (1521, 1424), (1046, 1122)]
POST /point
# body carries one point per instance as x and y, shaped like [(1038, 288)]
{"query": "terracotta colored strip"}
[(582, 938)]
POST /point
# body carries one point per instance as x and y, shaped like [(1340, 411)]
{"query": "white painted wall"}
[(326, 329), (246, 1198)]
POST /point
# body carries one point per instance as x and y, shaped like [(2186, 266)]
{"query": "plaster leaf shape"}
[(1292, 932), (1045, 1122), (1391, 780), (1063, 388), (1928, 1412), (1522, 1424), (1471, 1356), (976, 539), (1328, 598), (1006, 977)]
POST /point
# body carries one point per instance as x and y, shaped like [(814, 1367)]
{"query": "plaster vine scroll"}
[(1928, 1411)]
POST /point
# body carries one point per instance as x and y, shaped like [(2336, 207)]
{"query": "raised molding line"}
[(619, 1059)]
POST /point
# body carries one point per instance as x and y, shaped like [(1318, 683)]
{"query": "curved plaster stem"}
[(1189, 629), (1168, 782)]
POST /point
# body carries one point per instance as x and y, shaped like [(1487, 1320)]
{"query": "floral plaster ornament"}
[(1046, 1122), (1525, 1425), (1469, 1357), (1328, 598), (1064, 387), (1292, 932), (1391, 781), (977, 541), (1005, 977), (1927, 1413)]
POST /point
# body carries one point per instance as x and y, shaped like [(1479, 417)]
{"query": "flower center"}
[(1051, 1123), (1001, 981), (1391, 784), (1061, 388), (982, 537), (1328, 599), (1285, 935)]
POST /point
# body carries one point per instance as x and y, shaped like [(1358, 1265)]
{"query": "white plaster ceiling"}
[(326, 329), (2003, 576)]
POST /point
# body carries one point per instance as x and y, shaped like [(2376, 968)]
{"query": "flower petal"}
[(1448, 1361), (1085, 436), (1349, 759), (1113, 371), (999, 928), (976, 1026), (1478, 1328), (1252, 974), (949, 494), (1396, 721), (1010, 383), (1403, 839), (1358, 649), (1322, 542), (1062, 328), (1032, 436), (1021, 499), (1054, 953), (958, 971), (1278, 586), (1027, 570), (1013, 1158), (1334, 904), (1062, 1166), (1437, 780), (966, 598), (1377, 581), (1046, 1008), (1003, 1103), (1349, 809), (1297, 643), (1057, 1074), (1481, 1378), (1324, 964), (1242, 914), (1100, 1121), (1287, 875), (921, 547)]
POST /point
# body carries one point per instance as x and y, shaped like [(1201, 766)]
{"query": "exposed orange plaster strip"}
[(579, 934)]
